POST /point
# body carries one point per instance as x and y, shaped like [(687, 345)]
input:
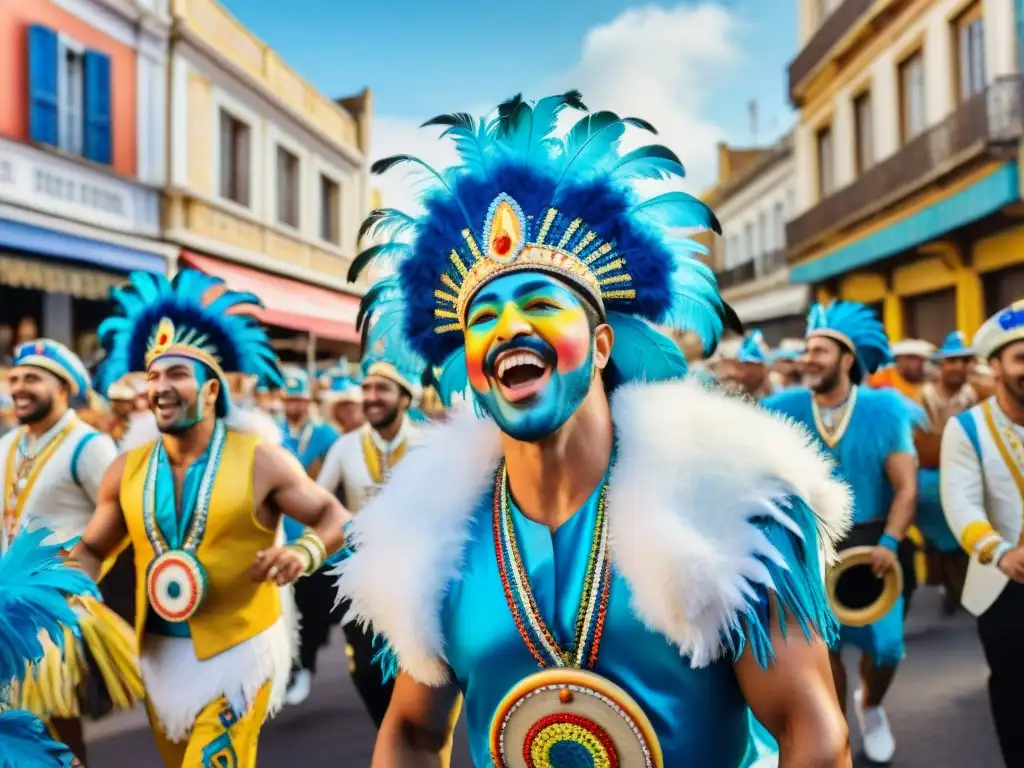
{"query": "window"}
[(234, 159), (763, 235), (780, 226), (748, 243), (731, 257), (69, 95), (912, 117), (969, 43), (826, 163), (287, 188), (329, 198), (864, 129)]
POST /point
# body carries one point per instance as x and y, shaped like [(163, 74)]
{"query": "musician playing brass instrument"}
[(869, 432)]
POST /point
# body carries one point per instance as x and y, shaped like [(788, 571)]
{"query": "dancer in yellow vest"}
[(202, 506)]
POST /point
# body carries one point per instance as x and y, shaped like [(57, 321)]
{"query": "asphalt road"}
[(937, 707)]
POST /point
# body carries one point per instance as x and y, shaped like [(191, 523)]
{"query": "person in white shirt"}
[(359, 463), (50, 472), (982, 485)]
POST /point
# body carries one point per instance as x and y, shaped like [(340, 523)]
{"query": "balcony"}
[(825, 39), (748, 271), (987, 126)]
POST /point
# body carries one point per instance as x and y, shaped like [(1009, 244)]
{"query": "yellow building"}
[(268, 179), (907, 183)]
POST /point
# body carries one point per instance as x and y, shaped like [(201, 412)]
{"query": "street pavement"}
[(937, 707)]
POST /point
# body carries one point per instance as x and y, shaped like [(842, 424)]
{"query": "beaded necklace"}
[(304, 436), (197, 526), (590, 618)]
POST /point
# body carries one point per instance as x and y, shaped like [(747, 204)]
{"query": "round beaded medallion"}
[(571, 718), (176, 584)]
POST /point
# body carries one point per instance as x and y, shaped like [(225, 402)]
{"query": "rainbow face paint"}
[(529, 353)]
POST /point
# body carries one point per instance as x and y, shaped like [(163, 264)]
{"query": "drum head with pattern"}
[(570, 718)]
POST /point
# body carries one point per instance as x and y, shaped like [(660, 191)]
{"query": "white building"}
[(753, 200), (268, 178)]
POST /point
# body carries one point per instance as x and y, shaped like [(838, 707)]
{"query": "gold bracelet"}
[(312, 543)]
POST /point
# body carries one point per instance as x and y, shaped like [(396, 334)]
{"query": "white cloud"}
[(661, 64)]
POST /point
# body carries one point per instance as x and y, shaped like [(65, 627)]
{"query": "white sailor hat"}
[(913, 348), (1004, 327)]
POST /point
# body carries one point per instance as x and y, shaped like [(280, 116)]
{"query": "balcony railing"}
[(748, 271), (837, 24), (988, 124)]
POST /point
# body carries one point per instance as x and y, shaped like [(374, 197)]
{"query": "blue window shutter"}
[(97, 134), (42, 84)]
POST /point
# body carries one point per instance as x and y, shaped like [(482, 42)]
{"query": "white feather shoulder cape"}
[(693, 468)]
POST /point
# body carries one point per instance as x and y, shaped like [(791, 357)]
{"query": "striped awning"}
[(53, 277)]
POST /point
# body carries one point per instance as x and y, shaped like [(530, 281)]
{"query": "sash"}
[(15, 498), (378, 465), (1010, 449)]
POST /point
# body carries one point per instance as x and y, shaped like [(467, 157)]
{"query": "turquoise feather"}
[(653, 162), (649, 355), (25, 743), (677, 209)]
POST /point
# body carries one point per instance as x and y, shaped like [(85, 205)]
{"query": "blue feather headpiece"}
[(296, 383), (192, 316), (753, 349), (855, 327), (386, 351), (525, 198)]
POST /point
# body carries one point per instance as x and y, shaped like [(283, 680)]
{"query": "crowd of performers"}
[(522, 507)]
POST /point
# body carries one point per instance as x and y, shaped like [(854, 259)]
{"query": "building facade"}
[(753, 199), (908, 195), (82, 161), (268, 179)]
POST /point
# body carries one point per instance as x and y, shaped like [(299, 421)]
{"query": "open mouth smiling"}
[(520, 374)]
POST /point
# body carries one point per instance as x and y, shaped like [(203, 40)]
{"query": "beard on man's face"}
[(169, 408), (823, 382), (43, 408), (381, 416)]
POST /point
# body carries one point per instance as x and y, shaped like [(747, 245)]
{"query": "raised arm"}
[(290, 491), (417, 730), (106, 532)]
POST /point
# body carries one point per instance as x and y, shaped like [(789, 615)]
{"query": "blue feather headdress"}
[(337, 384), (855, 327), (35, 584), (192, 316), (385, 349), (525, 198), (753, 349)]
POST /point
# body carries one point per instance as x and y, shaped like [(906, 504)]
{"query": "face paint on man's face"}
[(176, 394), (529, 353)]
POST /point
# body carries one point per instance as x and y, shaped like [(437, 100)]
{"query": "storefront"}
[(779, 313), (306, 322), (68, 234)]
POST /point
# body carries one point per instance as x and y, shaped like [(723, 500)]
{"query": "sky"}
[(692, 68)]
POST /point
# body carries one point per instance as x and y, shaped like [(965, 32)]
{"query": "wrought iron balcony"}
[(824, 40), (741, 273), (987, 125)]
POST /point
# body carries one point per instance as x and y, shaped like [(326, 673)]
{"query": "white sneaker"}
[(298, 691), (879, 744)]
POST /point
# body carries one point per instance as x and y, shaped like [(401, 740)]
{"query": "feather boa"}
[(695, 470)]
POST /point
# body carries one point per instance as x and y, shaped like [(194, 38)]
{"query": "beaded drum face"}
[(176, 585), (570, 718)]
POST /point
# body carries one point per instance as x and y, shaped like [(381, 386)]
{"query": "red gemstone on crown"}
[(502, 244)]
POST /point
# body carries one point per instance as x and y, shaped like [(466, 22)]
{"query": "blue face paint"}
[(192, 413), (541, 317)]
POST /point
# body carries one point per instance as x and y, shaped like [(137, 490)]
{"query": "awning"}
[(287, 303), (19, 236), (57, 277), (777, 302)]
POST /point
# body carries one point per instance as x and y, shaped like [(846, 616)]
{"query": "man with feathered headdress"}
[(341, 398), (591, 514), (50, 473), (870, 434), (201, 505), (751, 372), (982, 477), (360, 463)]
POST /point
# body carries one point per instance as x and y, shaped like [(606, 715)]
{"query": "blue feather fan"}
[(35, 584)]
